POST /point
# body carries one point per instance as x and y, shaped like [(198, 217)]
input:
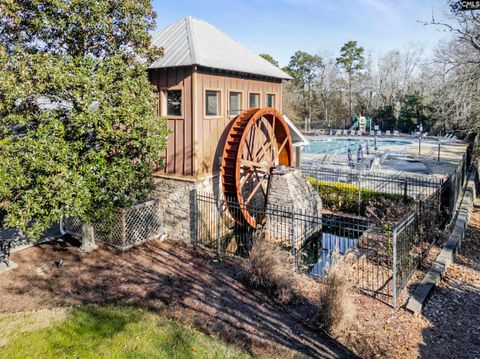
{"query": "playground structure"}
[(362, 124)]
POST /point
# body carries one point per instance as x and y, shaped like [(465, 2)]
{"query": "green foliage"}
[(100, 28), (385, 116), (414, 111), (304, 67), (79, 133), (343, 197), (270, 59), (107, 332), (351, 58)]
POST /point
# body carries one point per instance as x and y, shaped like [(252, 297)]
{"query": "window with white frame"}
[(212, 103), (172, 103), (254, 100), (235, 103), (270, 100)]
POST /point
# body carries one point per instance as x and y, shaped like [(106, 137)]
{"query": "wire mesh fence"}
[(130, 227)]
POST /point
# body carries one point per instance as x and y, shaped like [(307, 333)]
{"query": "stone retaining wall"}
[(176, 197)]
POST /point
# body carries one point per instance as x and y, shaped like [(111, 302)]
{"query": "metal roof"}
[(192, 41), (297, 138)]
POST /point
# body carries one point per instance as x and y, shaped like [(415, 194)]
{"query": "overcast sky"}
[(281, 27)]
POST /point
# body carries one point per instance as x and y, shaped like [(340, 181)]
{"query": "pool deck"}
[(402, 160)]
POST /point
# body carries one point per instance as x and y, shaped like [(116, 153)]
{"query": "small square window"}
[(270, 100), (254, 100), (212, 103), (235, 103), (173, 103)]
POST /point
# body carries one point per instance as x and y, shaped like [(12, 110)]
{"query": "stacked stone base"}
[(292, 193), (176, 197), (289, 194)]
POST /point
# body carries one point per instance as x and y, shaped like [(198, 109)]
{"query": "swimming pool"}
[(341, 145)]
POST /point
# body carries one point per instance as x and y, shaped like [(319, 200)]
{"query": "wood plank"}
[(170, 158), (179, 147), (188, 153)]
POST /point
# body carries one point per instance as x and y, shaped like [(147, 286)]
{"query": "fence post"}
[(359, 195), (123, 228), (294, 239), (195, 218), (394, 277), (219, 218), (405, 190), (438, 151)]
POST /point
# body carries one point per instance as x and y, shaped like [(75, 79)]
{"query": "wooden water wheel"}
[(258, 141)]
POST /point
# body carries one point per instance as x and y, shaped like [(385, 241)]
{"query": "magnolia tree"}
[(79, 131)]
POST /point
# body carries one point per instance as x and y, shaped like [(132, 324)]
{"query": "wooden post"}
[(123, 227), (298, 157)]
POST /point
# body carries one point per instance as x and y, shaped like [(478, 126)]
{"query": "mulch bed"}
[(185, 283), (449, 326), (191, 286)]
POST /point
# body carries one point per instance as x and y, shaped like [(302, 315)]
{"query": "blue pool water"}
[(341, 145)]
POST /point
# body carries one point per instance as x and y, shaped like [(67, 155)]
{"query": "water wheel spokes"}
[(259, 140)]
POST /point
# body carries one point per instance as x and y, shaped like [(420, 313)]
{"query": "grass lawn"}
[(105, 332)]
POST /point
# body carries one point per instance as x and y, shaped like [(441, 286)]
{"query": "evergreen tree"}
[(79, 132), (352, 60)]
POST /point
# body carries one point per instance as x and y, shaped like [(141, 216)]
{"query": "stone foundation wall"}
[(176, 196), (176, 200), (290, 190)]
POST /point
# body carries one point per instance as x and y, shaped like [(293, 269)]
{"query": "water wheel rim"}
[(281, 153)]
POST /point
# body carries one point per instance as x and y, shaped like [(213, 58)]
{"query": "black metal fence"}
[(216, 228), (386, 250), (417, 232), (351, 191)]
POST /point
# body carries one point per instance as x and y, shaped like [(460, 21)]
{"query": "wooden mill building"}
[(204, 80)]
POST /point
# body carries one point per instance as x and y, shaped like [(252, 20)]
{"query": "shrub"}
[(268, 268), (335, 303), (344, 196)]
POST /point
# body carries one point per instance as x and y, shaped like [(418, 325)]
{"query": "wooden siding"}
[(196, 144), (212, 132), (179, 153)]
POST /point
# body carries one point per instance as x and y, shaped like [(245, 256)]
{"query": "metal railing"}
[(352, 191), (216, 228), (418, 231), (386, 251)]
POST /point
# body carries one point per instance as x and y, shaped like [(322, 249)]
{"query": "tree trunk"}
[(326, 114), (350, 95), (309, 104), (88, 238)]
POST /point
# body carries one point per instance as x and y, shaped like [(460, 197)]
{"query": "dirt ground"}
[(191, 286), (186, 284), (449, 326)]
